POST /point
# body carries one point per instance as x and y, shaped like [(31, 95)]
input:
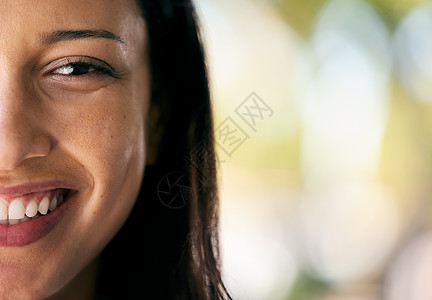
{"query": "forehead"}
[(25, 19)]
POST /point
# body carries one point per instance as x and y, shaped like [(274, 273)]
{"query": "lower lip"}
[(25, 233)]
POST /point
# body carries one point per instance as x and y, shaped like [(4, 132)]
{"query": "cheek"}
[(108, 140), (106, 136), (112, 139)]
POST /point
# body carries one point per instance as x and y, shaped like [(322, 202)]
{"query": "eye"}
[(83, 66), (79, 74), (75, 69)]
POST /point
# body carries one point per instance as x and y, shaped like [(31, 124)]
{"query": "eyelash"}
[(93, 66)]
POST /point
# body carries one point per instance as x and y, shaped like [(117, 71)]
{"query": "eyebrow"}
[(68, 35)]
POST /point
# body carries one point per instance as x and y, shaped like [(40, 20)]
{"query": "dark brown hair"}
[(165, 252)]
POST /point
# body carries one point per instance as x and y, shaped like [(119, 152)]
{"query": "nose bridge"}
[(11, 98), (20, 136), (12, 104), (12, 115)]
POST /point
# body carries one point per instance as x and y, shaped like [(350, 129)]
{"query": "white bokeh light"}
[(350, 222), (348, 231), (345, 114), (413, 52)]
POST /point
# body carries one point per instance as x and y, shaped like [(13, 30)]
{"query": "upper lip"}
[(34, 187)]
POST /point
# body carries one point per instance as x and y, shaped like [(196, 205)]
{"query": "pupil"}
[(81, 69)]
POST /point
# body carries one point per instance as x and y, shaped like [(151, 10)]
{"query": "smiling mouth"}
[(22, 208)]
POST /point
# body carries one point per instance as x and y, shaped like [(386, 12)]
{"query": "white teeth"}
[(16, 210), (3, 211), (17, 213), (32, 209), (44, 205), (53, 204)]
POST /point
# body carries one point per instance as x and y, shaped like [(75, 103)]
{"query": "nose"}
[(21, 137)]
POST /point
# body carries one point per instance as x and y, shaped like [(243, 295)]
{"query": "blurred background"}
[(323, 129)]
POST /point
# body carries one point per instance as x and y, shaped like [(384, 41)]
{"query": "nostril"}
[(8, 160), (40, 146), (16, 149)]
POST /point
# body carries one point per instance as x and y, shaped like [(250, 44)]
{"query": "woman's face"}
[(74, 95)]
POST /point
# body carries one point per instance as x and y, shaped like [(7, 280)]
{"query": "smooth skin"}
[(63, 119)]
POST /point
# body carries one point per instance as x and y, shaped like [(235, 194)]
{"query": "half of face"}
[(74, 96)]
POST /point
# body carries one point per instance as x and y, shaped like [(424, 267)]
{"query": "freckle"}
[(124, 116)]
